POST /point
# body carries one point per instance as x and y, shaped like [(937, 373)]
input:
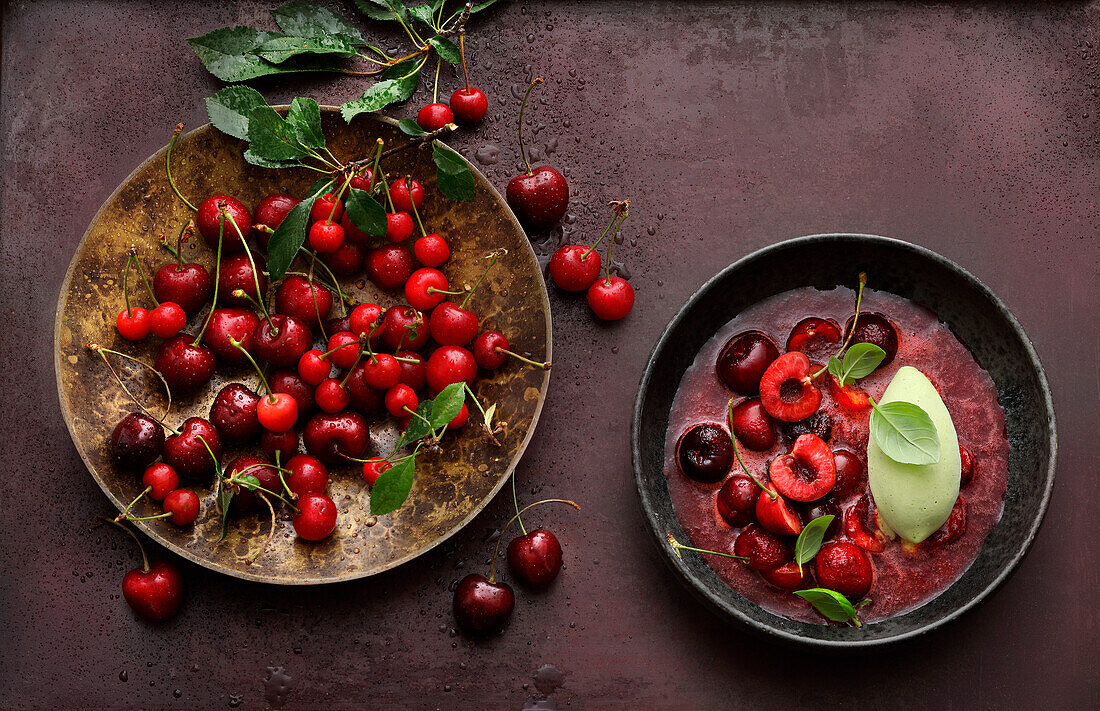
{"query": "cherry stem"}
[(416, 213), (614, 233), (620, 206), (166, 514), (217, 278), (126, 283), (435, 87), (168, 167), (217, 464), (492, 564), (270, 532), (129, 506), (363, 340), (484, 415), (433, 290), (545, 365), (251, 261), (103, 354), (267, 388), (144, 558), (492, 257), (852, 330), (677, 547), (462, 53), (737, 454), (334, 285), (145, 280), (522, 106), (515, 502), (338, 195)]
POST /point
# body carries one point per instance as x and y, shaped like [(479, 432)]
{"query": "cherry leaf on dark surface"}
[(304, 119), (307, 19), (366, 213), (230, 108), (399, 10), (478, 7), (375, 9), (453, 177), (446, 49), (270, 137), (227, 53), (424, 13), (393, 487), (447, 405), (860, 361), (810, 540), (279, 49), (410, 127), (380, 95), (417, 427), (905, 432), (830, 603), (288, 238)]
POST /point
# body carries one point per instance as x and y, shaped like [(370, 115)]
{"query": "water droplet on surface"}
[(488, 154)]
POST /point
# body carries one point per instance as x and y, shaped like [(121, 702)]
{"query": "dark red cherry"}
[(413, 374), (287, 380), (535, 558), (307, 301), (574, 267), (285, 444), (764, 549), (347, 261), (390, 266), (434, 116), (326, 208), (786, 390), (363, 398), (281, 340), (136, 441), (789, 576), (399, 226), (450, 364), (236, 323), (353, 235), (825, 506), (487, 349), (469, 105), (752, 425), (185, 366), (308, 475), (188, 285), (776, 515), (539, 198), (967, 460), (860, 525), (316, 517), (844, 567), (187, 454), (452, 325), (705, 453), (155, 594), (208, 220), (363, 179), (877, 329), (236, 274), (246, 501), (482, 606), (818, 338), (743, 361), (819, 424), (233, 412), (736, 501), (405, 327), (850, 472), (344, 432), (270, 212)]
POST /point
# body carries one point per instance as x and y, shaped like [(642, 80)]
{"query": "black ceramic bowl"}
[(978, 319)]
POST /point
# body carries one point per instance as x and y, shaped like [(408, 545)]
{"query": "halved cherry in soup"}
[(705, 453), (786, 390), (952, 528), (861, 528), (744, 359), (807, 472), (818, 338)]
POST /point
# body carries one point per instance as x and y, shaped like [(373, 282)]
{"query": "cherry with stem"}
[(677, 547)]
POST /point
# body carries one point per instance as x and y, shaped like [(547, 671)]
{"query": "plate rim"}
[(697, 587), (145, 526)]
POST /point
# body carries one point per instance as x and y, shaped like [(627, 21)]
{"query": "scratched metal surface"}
[(973, 131)]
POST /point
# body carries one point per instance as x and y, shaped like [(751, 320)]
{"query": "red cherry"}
[(314, 367), (326, 207), (245, 499), (343, 349), (382, 371), (482, 606), (208, 220), (816, 337), (183, 504), (352, 234), (373, 468), (162, 479), (952, 528), (277, 412), (460, 419), (287, 380), (807, 473), (308, 475), (431, 250), (575, 267), (390, 266), (366, 319), (789, 576), (434, 116), (850, 472), (844, 567), (233, 413), (426, 288), (331, 396), (270, 212), (752, 425), (136, 441), (535, 558), (400, 397), (185, 366), (399, 226), (967, 465), (852, 399), (347, 261), (736, 501), (825, 506), (316, 518), (764, 549), (363, 179), (877, 329), (786, 390), (777, 516), (285, 444), (405, 327), (281, 340), (237, 323), (155, 593), (452, 325), (404, 196), (450, 364), (133, 323), (486, 351), (611, 298), (539, 197), (186, 453), (303, 299), (326, 236), (236, 274), (188, 285), (329, 436), (415, 373), (364, 398), (743, 360), (860, 526), (469, 105), (705, 453)]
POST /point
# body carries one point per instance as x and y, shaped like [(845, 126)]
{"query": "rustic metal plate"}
[(452, 486)]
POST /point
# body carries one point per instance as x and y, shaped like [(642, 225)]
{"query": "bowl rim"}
[(151, 532), (698, 587)]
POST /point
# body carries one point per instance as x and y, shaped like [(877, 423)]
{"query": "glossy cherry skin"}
[(208, 220), (236, 323), (539, 198), (326, 236), (807, 472), (343, 349), (285, 444), (390, 266), (155, 594), (744, 359), (818, 338), (308, 475), (347, 261), (764, 549), (282, 340), (786, 390), (363, 179), (452, 325), (469, 104), (431, 250), (183, 504), (611, 298), (136, 441), (574, 267), (366, 319), (460, 419), (245, 500), (326, 207), (161, 480), (236, 274), (819, 424), (535, 558), (316, 517), (405, 327), (270, 212), (844, 567), (287, 380), (450, 364), (345, 432), (186, 453), (374, 468), (167, 320), (850, 472), (401, 400), (233, 413), (486, 351), (188, 285), (877, 329), (277, 412), (425, 288), (399, 226), (382, 371), (314, 367), (352, 233), (404, 194), (186, 367), (434, 116), (825, 506), (331, 396), (736, 500), (133, 323), (481, 606), (413, 374), (705, 453), (363, 398), (303, 299), (752, 425)]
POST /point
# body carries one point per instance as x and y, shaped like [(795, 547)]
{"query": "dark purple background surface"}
[(973, 131)]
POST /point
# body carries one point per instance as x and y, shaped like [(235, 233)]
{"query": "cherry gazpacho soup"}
[(868, 459)]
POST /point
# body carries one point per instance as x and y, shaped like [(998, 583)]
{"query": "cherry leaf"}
[(380, 95), (304, 119), (810, 540), (417, 427), (410, 127), (279, 49), (307, 19), (393, 487), (271, 138), (447, 405), (860, 361), (230, 108), (288, 238), (452, 175), (446, 49), (366, 213)]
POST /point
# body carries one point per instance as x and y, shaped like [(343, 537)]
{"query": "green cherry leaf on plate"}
[(831, 604), (366, 213), (417, 427), (304, 119), (230, 108), (905, 432), (453, 177), (410, 127), (447, 405), (288, 238), (279, 49), (860, 361), (810, 540), (251, 157), (446, 49), (393, 487), (307, 19)]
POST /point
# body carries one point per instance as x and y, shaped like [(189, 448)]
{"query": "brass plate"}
[(451, 486)]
